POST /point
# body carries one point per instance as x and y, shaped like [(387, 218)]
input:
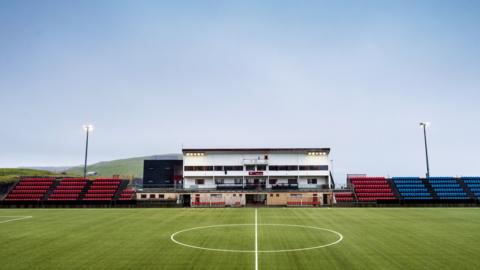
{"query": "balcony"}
[(285, 187), (255, 162)]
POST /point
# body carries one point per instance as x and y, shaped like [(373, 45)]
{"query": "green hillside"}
[(124, 167), (11, 175)]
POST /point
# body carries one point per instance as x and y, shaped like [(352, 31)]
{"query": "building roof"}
[(185, 150)]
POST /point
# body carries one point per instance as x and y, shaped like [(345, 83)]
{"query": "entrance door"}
[(186, 200), (256, 182), (256, 199), (315, 200), (325, 199), (197, 199)]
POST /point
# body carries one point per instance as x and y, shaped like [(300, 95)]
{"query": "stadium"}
[(241, 208), (239, 135)]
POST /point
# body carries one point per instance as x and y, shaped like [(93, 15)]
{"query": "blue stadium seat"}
[(447, 188), (411, 188)]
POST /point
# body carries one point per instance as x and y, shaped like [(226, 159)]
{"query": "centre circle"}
[(299, 237)]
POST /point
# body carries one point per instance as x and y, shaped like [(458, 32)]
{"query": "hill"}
[(11, 175), (124, 167)]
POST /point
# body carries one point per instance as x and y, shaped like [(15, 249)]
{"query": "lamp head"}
[(88, 127), (425, 124)]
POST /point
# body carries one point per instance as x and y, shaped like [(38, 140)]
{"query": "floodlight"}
[(88, 127)]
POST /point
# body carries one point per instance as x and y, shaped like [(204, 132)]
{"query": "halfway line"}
[(256, 240)]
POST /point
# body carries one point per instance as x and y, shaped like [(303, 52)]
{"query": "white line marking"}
[(256, 240), (14, 218), (172, 237)]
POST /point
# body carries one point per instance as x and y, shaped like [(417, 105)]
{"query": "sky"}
[(151, 76)]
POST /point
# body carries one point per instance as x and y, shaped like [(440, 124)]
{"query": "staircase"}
[(51, 190), (85, 189), (394, 189), (7, 190), (466, 189), (430, 188), (123, 185)]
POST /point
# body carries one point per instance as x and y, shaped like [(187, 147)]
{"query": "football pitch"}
[(244, 238)]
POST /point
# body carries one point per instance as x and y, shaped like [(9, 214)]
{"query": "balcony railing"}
[(255, 161)]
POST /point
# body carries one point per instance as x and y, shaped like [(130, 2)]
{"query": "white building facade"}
[(257, 169)]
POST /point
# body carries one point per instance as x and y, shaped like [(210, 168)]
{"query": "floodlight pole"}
[(87, 129), (424, 125)]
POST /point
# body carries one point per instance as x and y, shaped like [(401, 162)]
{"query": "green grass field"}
[(373, 238)]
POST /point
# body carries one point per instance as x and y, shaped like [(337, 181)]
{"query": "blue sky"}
[(356, 76)]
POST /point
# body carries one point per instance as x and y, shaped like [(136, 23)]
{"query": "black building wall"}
[(161, 173)]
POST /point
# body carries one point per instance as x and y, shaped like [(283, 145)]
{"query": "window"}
[(199, 181), (272, 181), (250, 167), (215, 195), (261, 167), (271, 195), (283, 168), (314, 168), (238, 181), (152, 196), (218, 168), (233, 168), (199, 168), (278, 195), (292, 181), (296, 195), (143, 196), (219, 181), (312, 181), (161, 196)]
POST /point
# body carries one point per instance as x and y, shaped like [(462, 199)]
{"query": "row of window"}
[(311, 181), (259, 168), (152, 196)]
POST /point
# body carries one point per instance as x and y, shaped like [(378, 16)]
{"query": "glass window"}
[(314, 168), (218, 168), (312, 181), (199, 181), (238, 181), (272, 181), (292, 181), (261, 167), (219, 181), (152, 196), (283, 168), (161, 196), (233, 168), (143, 196), (250, 167)]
